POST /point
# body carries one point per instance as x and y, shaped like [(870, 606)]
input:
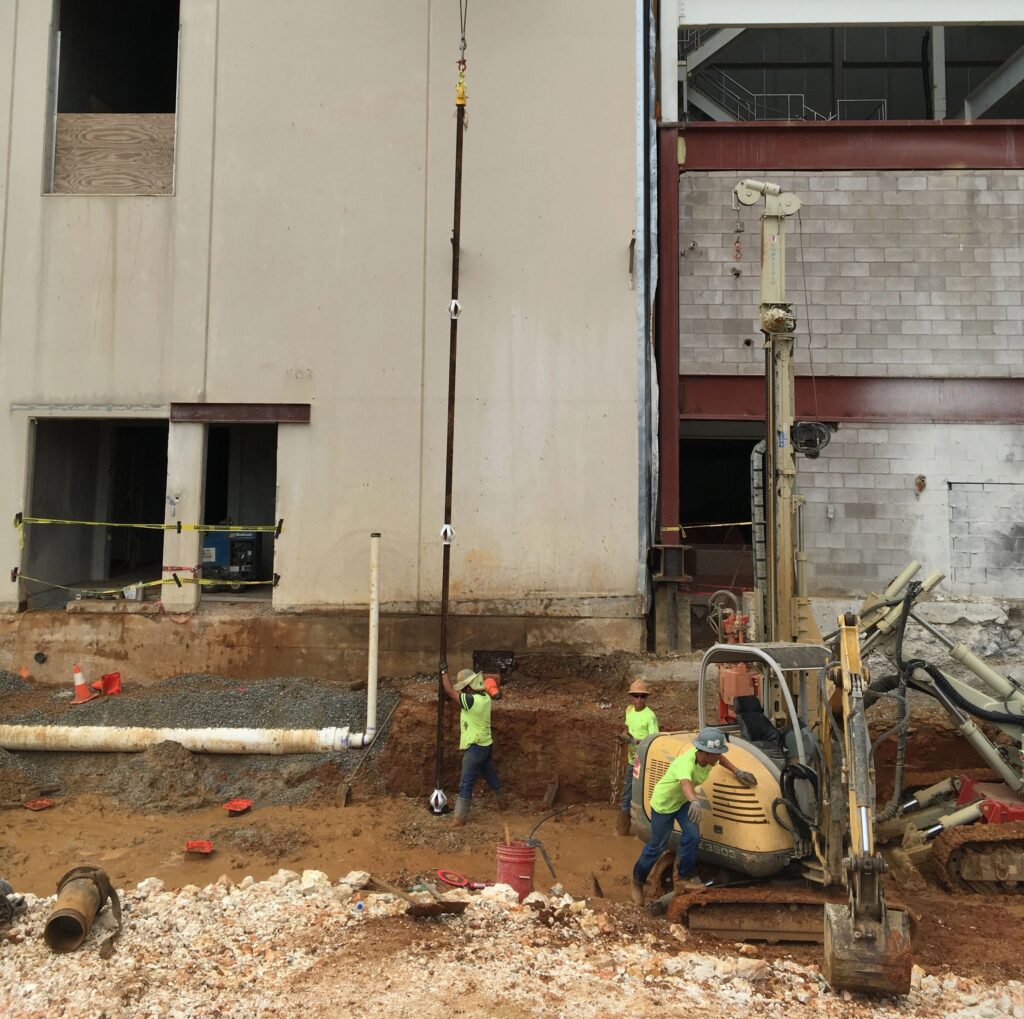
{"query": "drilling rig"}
[(802, 726)]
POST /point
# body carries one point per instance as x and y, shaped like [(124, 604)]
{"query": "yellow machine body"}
[(739, 831)]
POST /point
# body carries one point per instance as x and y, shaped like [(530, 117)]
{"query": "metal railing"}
[(745, 105), (861, 109)]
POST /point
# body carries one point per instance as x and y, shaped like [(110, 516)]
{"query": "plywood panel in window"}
[(114, 154)]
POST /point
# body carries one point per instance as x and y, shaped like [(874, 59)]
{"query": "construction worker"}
[(675, 798), (475, 742), (640, 722)]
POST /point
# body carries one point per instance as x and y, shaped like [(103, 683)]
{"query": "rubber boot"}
[(461, 812), (502, 802), (636, 891), (691, 881), (622, 823)]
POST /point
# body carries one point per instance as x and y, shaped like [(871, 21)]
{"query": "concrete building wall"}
[(305, 257), (908, 276)]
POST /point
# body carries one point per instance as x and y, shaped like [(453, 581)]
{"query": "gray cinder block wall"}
[(907, 275)]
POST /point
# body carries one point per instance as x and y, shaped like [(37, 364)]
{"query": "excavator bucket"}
[(864, 956)]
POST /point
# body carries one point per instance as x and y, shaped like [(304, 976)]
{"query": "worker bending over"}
[(675, 798), (640, 722), (474, 700)]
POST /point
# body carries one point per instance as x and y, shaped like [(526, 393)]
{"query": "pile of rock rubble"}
[(298, 944)]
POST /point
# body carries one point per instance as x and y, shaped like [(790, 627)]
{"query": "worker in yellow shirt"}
[(640, 722), (470, 692), (675, 799)]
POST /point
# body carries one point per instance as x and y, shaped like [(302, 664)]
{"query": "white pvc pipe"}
[(101, 738), (371, 667)]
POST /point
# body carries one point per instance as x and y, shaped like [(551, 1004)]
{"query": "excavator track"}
[(983, 858), (761, 913)]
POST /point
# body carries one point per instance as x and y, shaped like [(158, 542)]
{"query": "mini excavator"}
[(800, 724)]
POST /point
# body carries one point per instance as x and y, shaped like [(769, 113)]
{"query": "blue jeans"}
[(661, 830), (476, 760), (627, 790)]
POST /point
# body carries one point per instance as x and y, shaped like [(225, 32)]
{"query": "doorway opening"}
[(714, 508), (241, 493), (94, 472)]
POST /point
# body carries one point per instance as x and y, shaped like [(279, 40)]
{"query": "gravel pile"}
[(168, 778), (296, 944), (201, 702), (10, 683)]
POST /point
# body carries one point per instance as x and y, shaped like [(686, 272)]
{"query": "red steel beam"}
[(241, 413), (859, 399), (855, 145), (667, 337)]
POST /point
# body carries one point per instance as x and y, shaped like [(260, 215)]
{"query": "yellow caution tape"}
[(20, 521), (683, 528), (178, 581)]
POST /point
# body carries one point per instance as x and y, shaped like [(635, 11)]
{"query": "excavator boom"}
[(867, 944)]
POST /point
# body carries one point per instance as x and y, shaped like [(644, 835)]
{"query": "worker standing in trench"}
[(675, 798), (474, 700), (641, 721)]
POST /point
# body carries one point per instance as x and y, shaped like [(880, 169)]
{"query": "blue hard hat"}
[(711, 740)]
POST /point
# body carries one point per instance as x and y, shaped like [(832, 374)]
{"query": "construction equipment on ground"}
[(796, 716)]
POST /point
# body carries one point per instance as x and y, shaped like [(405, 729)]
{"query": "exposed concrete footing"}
[(244, 642)]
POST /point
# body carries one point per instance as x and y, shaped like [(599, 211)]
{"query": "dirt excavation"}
[(284, 917)]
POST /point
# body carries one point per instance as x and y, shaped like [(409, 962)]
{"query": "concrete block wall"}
[(864, 519), (908, 274)]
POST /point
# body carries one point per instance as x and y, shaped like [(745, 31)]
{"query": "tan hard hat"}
[(467, 677), (638, 686)]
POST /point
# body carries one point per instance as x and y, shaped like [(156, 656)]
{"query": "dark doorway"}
[(714, 471), (94, 473), (241, 493)]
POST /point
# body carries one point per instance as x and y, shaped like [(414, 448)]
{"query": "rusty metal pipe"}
[(78, 902)]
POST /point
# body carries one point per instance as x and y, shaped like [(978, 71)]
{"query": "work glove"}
[(622, 737), (697, 807), (443, 665), (745, 778)]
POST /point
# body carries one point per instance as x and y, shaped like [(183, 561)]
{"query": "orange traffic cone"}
[(82, 693)]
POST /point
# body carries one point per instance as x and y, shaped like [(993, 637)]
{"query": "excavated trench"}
[(131, 813)]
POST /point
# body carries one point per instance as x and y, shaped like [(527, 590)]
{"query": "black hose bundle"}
[(985, 714), (884, 688), (803, 825)]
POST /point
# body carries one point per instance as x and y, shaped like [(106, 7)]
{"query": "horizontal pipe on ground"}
[(134, 739)]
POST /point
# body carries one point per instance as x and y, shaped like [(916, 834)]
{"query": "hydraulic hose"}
[(892, 808), (985, 714), (791, 774)]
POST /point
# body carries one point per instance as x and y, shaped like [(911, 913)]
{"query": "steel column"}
[(667, 334)]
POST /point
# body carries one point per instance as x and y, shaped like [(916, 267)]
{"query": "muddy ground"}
[(131, 814)]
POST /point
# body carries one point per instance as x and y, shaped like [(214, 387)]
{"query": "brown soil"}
[(542, 728)]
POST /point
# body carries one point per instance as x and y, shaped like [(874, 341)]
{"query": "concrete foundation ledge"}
[(234, 641)]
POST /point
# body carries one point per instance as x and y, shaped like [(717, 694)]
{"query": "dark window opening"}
[(103, 472), (240, 492), (117, 56), (113, 96)]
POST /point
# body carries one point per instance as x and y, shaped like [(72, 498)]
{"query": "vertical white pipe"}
[(371, 665)]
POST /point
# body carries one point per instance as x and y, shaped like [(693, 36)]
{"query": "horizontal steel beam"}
[(800, 13), (852, 145), (862, 399), (241, 413)]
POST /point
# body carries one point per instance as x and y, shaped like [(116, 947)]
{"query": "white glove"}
[(745, 778), (697, 807)]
